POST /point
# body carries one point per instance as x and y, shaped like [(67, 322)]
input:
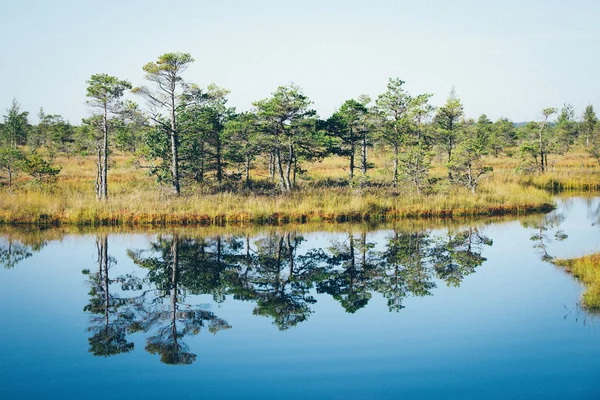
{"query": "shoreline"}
[(101, 216)]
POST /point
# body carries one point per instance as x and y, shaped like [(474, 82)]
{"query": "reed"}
[(587, 270)]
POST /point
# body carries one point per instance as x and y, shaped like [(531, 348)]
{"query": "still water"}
[(442, 310)]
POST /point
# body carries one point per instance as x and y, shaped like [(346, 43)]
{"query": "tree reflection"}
[(545, 231), (282, 279), (403, 268), (13, 251), (179, 267), (110, 321), (458, 255), (351, 268), (276, 271)]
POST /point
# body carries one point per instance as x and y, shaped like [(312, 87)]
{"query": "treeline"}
[(186, 135)]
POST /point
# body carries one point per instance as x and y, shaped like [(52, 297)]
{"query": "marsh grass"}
[(587, 270), (324, 196)]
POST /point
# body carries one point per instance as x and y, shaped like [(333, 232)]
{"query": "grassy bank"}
[(323, 196), (310, 205), (587, 270)]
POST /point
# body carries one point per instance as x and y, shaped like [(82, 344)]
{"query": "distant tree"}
[(11, 161), (16, 126), (539, 141), (566, 129), (242, 134), (105, 94), (594, 150), (483, 131), (165, 75), (279, 117), (347, 124), (131, 128), (203, 137), (588, 124), (414, 162), (13, 133), (394, 107), (503, 134), (40, 168), (52, 132), (466, 167), (414, 167), (447, 120)]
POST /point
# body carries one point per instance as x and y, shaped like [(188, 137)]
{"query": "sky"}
[(505, 58)]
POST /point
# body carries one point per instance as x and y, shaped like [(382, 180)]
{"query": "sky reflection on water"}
[(465, 312)]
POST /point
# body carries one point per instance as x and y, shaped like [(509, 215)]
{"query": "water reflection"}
[(111, 315), (16, 248), (545, 230), (281, 272), (176, 268), (278, 271)]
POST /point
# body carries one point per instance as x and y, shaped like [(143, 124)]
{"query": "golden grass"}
[(587, 270), (135, 199), (144, 207)]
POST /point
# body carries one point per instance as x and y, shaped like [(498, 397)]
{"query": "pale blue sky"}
[(506, 58)]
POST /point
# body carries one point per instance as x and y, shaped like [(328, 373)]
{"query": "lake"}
[(416, 310)]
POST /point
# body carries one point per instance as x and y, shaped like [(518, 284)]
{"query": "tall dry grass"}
[(587, 270), (135, 199)]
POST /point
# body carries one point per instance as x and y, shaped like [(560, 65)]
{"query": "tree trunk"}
[(417, 178), (542, 161), (104, 187), (352, 257), (247, 170), (219, 159), (364, 154), (541, 144), (271, 165), (279, 167), (10, 174), (98, 172), (290, 256), (351, 174), (290, 162), (201, 177), (174, 283), (363, 243), (294, 171), (450, 144), (104, 266), (395, 180), (174, 146), (587, 140)]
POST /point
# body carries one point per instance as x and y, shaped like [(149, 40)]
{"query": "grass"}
[(136, 200), (587, 270), (35, 205)]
